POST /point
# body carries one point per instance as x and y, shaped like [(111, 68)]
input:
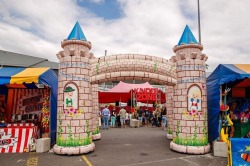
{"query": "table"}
[(16, 139)]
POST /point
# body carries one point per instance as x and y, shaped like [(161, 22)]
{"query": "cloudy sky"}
[(152, 27)]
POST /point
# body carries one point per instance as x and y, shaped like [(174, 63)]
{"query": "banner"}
[(146, 94), (15, 140), (240, 151)]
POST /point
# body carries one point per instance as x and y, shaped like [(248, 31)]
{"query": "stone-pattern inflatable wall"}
[(80, 73), (190, 100), (133, 67), (169, 106), (95, 115), (75, 109)]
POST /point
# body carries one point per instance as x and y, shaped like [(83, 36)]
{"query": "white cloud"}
[(25, 42), (146, 27)]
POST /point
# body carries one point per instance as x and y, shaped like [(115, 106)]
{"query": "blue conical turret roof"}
[(187, 37), (77, 33)]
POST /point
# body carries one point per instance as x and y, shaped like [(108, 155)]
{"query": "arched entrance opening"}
[(142, 68)]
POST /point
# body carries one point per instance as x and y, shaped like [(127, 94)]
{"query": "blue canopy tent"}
[(224, 73), (28, 78)]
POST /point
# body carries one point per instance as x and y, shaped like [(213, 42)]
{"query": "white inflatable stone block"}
[(169, 136), (220, 149), (74, 150), (42, 145), (134, 123), (96, 137), (190, 149)]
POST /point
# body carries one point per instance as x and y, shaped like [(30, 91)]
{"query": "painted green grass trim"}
[(96, 131), (73, 142), (191, 142), (170, 131)]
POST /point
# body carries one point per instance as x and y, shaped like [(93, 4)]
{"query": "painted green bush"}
[(170, 131), (178, 129), (96, 131), (97, 67), (60, 130)]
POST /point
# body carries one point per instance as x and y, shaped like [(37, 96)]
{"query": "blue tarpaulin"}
[(224, 73)]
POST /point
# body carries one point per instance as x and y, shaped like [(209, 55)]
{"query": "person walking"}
[(150, 117), (105, 115), (113, 118), (159, 115), (155, 119), (164, 118), (122, 114), (140, 116), (100, 117), (127, 118), (146, 117)]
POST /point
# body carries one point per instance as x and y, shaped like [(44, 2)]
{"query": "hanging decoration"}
[(45, 111)]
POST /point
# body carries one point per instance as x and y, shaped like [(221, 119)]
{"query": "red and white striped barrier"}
[(15, 139)]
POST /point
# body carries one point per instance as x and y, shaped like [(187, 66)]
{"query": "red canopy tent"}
[(108, 97), (126, 87), (123, 92)]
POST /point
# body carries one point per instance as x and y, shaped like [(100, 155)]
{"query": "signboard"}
[(146, 94), (28, 100)]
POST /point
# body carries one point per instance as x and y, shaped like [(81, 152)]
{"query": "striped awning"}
[(12, 75)]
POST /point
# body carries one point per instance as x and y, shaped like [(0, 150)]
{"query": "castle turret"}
[(74, 121), (190, 98)]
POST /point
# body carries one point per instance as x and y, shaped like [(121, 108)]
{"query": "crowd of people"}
[(113, 118)]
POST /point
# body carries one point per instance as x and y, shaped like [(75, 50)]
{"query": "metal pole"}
[(199, 24)]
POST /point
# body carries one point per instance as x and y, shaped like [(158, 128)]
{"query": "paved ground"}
[(120, 147)]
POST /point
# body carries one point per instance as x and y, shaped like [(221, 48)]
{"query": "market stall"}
[(28, 99), (226, 76)]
